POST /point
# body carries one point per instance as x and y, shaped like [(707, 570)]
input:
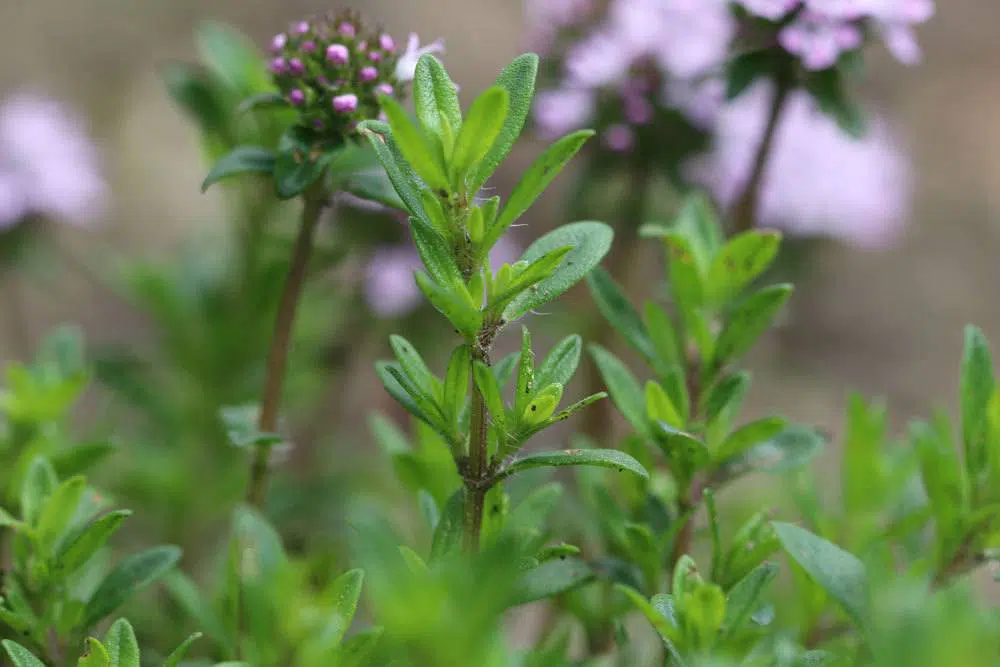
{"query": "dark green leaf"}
[(448, 534), (561, 362), (748, 321), (80, 458), (603, 458), (750, 435), (415, 368), (394, 386), (400, 173), (39, 482), (346, 591), (374, 186), (125, 580), (745, 597), (456, 383), (614, 305), (625, 391), (175, 657), (838, 572), (20, 656), (241, 160), (590, 241), (518, 79), (746, 68), (76, 551), (663, 336), (453, 302), (267, 100), (59, 511), (193, 90), (790, 449), (550, 578), (297, 164), (830, 91), (483, 123), (535, 180), (232, 56)]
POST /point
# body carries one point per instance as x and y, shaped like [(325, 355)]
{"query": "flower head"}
[(332, 69), (48, 166), (818, 181)]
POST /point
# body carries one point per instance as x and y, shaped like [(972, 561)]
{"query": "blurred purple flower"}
[(769, 9), (48, 166), (545, 18), (563, 110), (895, 20), (818, 40), (407, 65), (389, 285), (818, 181)]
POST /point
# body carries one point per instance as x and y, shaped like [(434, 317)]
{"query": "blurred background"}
[(885, 322)]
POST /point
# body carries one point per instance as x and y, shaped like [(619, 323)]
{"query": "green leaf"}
[(551, 578), (941, 474), (746, 68), (196, 93), (483, 124), (240, 422), (240, 160), (590, 242), (748, 321), (297, 166), (346, 591), (535, 180), (232, 56), (488, 387), (625, 391), (415, 368), (838, 572), (271, 99), (373, 186), (80, 458), (792, 448), (748, 436), (518, 79), (400, 173), (20, 656), (662, 336), (660, 621), (94, 654), (742, 259), (745, 597), (659, 407), (526, 386), (726, 396), (77, 550), (201, 612), (59, 510), (455, 306), (976, 390), (413, 145), (435, 99), (614, 305), (603, 458), (456, 383), (399, 388), (175, 657), (39, 482), (123, 649), (437, 256), (525, 279), (830, 91), (504, 369), (685, 277), (448, 534), (561, 362), (355, 652), (125, 580)]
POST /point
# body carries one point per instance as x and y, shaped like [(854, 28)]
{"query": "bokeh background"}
[(886, 323)]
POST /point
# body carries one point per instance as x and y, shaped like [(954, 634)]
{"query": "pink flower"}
[(545, 18), (819, 181), (48, 166), (618, 138), (345, 103), (337, 54), (768, 9), (406, 66), (368, 74), (895, 20), (564, 110), (819, 40)]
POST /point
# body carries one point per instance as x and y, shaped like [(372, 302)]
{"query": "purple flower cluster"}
[(819, 31), (333, 69), (615, 69), (48, 165)]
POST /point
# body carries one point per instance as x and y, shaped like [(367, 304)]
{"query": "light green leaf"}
[(659, 407), (553, 577), (838, 572), (603, 458), (232, 56), (129, 577), (400, 173), (240, 160), (661, 622), (175, 657), (415, 368), (456, 383), (20, 656), (535, 180), (748, 321), (123, 648), (482, 125), (590, 241), (975, 392), (742, 259), (413, 145), (94, 654), (518, 79), (448, 534), (614, 305), (486, 382), (202, 613), (750, 435), (685, 277), (39, 482), (435, 99), (58, 511), (662, 336), (452, 302), (355, 652), (346, 591), (625, 391)]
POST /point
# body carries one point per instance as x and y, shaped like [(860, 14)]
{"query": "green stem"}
[(277, 360), (745, 209), (476, 470)]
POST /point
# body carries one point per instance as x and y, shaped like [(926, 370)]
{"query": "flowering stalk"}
[(277, 360)]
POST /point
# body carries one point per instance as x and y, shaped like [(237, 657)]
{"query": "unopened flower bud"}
[(279, 66), (301, 28), (368, 74), (337, 54), (278, 42), (375, 56), (297, 97), (308, 46), (296, 67), (345, 103), (347, 29), (384, 89), (387, 43)]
